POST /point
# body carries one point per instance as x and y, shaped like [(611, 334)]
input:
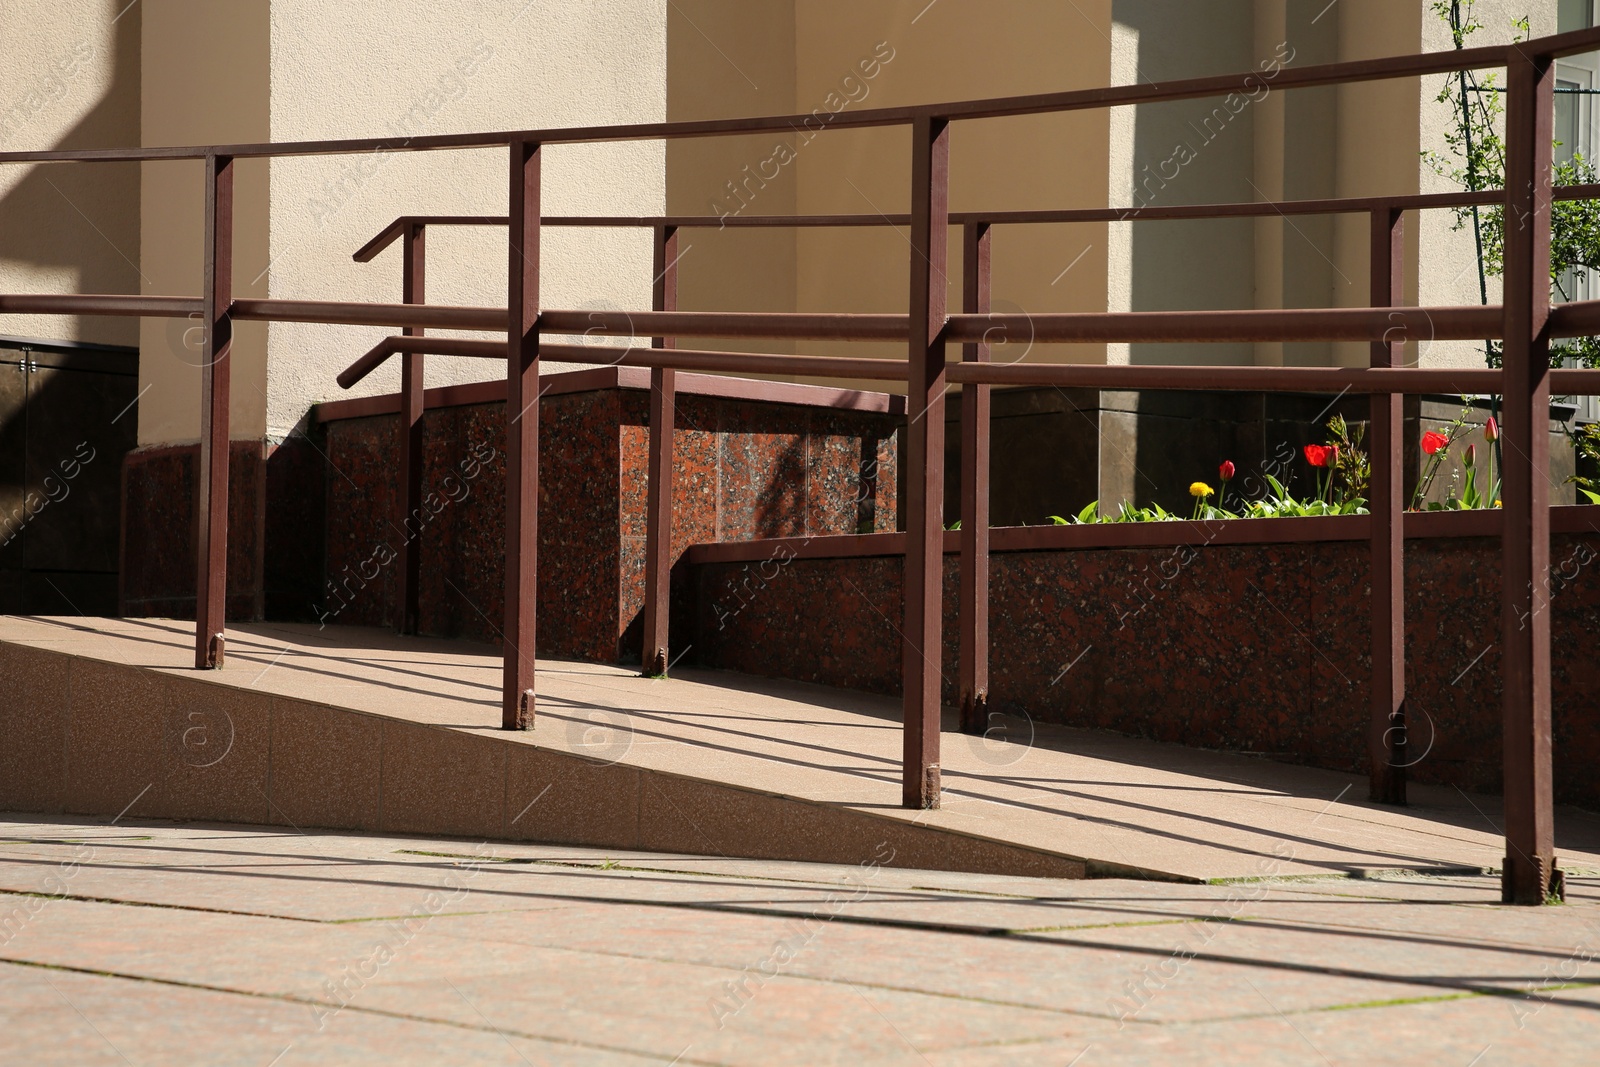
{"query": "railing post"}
[(409, 498), (1529, 874), (925, 385), (1387, 728), (658, 507), (974, 606), (211, 489), (522, 441)]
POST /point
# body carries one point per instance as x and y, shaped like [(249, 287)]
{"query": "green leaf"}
[(1057, 520), (1090, 513), (1594, 498)]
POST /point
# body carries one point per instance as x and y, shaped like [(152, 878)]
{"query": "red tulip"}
[(1433, 440), (1491, 430), (1317, 455), (1225, 472), (1472, 455)]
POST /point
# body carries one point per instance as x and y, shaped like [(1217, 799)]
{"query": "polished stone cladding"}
[(275, 500), (751, 460), (1262, 649)]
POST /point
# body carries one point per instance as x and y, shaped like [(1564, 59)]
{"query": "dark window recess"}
[(68, 416)]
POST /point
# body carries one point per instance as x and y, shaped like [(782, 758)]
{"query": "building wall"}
[(205, 82), (727, 58), (69, 80), (450, 66), (955, 51), (185, 71)]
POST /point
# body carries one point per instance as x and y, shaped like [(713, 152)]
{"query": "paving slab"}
[(204, 943)]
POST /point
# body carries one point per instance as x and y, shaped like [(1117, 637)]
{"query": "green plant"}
[(1466, 491), (1351, 467), (1476, 160), (1586, 441), (1277, 504), (1436, 447)]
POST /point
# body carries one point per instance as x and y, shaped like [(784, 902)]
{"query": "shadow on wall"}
[(1205, 151), (82, 218)]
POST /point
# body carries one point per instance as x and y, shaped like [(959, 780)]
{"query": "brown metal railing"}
[(1525, 324)]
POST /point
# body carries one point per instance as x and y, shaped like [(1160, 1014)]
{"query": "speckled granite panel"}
[(1259, 649), (830, 621), (358, 586), (462, 532), (1575, 670), (296, 505), (695, 475), (741, 469), (158, 563), (1452, 664), (579, 531), (763, 459)]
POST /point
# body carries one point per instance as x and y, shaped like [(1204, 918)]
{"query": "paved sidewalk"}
[(161, 944)]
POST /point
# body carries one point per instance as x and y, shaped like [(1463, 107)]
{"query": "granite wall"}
[(743, 469), (275, 508), (1262, 649)]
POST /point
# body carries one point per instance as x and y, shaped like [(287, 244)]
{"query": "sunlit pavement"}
[(154, 943)]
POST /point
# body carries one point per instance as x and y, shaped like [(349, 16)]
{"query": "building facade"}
[(103, 73)]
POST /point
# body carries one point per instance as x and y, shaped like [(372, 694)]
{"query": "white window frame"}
[(1584, 72)]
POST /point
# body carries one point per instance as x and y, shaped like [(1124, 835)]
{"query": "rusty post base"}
[(216, 653), (526, 702), (975, 712), (655, 664), (927, 797), (1524, 881), (1388, 786)]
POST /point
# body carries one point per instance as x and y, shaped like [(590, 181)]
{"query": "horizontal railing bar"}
[(882, 370), (169, 307), (1291, 324), (352, 314), (887, 370), (1332, 324), (1359, 380), (1249, 209), (741, 324), (1248, 83), (1580, 318)]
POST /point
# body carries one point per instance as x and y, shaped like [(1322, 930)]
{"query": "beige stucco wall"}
[(729, 58), (205, 82), (69, 78), (955, 50), (443, 66), (1378, 136)]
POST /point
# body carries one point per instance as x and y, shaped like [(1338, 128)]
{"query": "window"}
[(1577, 79)]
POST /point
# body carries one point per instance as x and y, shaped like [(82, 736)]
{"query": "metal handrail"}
[(1524, 322)]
